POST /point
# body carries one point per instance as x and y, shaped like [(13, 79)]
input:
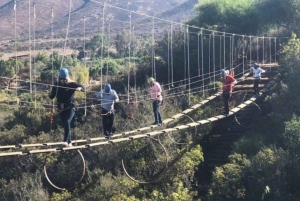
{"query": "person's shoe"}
[(159, 124), (155, 123), (107, 136), (65, 144), (70, 144)]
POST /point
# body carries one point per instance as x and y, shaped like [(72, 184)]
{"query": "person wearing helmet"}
[(257, 75), (108, 97), (228, 82), (64, 91), (156, 98)]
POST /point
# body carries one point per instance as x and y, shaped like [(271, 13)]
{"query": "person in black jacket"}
[(64, 91)]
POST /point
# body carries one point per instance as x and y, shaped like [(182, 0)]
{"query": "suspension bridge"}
[(232, 51)]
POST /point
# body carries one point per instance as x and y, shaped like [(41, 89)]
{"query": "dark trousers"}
[(66, 117), (226, 97), (157, 115), (107, 121), (255, 85)]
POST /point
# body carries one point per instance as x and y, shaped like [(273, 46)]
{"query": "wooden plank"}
[(31, 145), (242, 105), (97, 138), (177, 116), (187, 111), (11, 153), (205, 101), (42, 151), (155, 133), (235, 109), (181, 127), (53, 143), (203, 121), (138, 136), (80, 141), (220, 116), (211, 98), (196, 106), (212, 119), (142, 129), (248, 102), (119, 140), (75, 147), (97, 144), (193, 124), (169, 130), (8, 147), (167, 120)]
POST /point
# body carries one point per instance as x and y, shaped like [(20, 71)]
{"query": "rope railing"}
[(129, 138)]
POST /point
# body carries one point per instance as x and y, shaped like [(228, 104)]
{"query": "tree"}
[(228, 15), (95, 46), (122, 43)]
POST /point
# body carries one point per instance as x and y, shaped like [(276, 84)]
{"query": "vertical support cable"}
[(129, 51), (169, 59), (108, 44), (232, 60), (29, 43), (202, 69), (275, 50), (220, 60), (270, 49), (102, 45), (153, 51), (224, 51), (250, 44), (52, 81), (84, 57), (198, 54), (243, 55), (16, 60), (209, 55), (184, 57), (188, 62), (230, 52), (257, 50), (172, 69), (263, 50), (34, 66), (214, 59), (134, 69)]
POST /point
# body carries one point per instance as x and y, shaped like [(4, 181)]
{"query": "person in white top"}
[(257, 75), (156, 97)]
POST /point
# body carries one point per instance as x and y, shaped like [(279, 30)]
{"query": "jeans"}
[(107, 122), (255, 85), (226, 97), (157, 115), (66, 117)]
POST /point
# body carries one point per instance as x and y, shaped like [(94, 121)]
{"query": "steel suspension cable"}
[(188, 62), (16, 60), (84, 60), (263, 50), (172, 69), (198, 54), (214, 59), (202, 62), (224, 50), (243, 38), (129, 49), (29, 42), (168, 59), (102, 46), (34, 66)]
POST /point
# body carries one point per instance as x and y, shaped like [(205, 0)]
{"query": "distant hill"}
[(177, 10)]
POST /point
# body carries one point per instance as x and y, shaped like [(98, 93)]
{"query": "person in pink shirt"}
[(156, 98)]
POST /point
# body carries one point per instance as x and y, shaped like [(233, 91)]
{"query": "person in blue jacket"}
[(64, 91), (108, 97)]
